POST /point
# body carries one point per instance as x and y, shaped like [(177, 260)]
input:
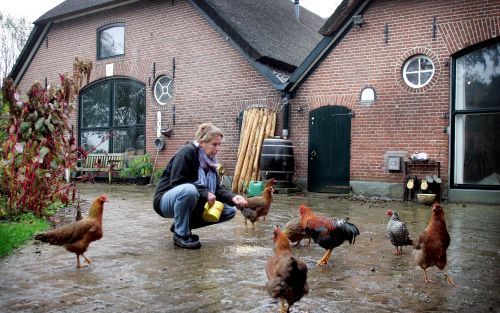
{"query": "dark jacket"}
[(183, 168)]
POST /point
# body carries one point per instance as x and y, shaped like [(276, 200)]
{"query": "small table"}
[(414, 163)]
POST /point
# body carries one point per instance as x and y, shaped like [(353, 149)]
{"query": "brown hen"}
[(257, 206), (295, 233), (77, 236), (433, 243), (286, 274), (269, 183)]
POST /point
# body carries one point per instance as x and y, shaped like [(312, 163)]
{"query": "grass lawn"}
[(14, 233)]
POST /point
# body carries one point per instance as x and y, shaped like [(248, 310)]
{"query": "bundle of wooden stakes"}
[(258, 124)]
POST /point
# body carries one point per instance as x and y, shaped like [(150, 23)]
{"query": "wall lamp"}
[(357, 20)]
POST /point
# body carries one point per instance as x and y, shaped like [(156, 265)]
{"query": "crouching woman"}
[(188, 182)]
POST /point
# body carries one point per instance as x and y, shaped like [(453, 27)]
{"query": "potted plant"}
[(140, 169)]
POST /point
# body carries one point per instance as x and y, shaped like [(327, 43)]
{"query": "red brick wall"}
[(402, 118), (213, 81)]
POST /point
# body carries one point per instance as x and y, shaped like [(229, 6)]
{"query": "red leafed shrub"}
[(40, 145)]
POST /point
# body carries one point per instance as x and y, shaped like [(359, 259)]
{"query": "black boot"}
[(172, 230), (186, 242)]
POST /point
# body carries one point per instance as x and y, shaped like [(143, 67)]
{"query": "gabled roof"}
[(335, 28), (344, 12), (265, 31), (72, 8)]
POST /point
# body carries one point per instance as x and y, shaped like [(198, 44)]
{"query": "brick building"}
[(210, 60), (380, 81), (405, 77)]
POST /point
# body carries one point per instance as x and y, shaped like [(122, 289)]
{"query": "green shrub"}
[(141, 166), (40, 144)]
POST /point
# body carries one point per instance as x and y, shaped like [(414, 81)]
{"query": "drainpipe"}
[(297, 10), (286, 112)]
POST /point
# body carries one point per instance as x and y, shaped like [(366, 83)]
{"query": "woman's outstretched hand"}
[(239, 201)]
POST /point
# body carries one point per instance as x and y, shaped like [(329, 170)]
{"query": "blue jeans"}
[(181, 203)]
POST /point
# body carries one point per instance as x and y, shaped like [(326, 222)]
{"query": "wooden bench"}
[(96, 163)]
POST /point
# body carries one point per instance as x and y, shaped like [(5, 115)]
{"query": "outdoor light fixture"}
[(358, 20), (367, 96)]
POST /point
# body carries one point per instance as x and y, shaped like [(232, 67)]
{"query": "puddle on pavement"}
[(137, 268)]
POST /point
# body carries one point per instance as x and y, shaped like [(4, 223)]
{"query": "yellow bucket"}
[(212, 214)]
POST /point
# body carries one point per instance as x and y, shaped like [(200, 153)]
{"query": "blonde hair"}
[(207, 132)]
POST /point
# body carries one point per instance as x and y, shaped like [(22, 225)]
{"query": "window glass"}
[(129, 138), (418, 71), (481, 156), (92, 138), (425, 77), (95, 107), (478, 79), (412, 78), (412, 66), (129, 104), (425, 64), (111, 41)]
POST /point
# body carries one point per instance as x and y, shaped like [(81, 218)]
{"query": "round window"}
[(418, 71), (163, 90)]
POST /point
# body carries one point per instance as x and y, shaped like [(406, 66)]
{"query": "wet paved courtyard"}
[(137, 268)]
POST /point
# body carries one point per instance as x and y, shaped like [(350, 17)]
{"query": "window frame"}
[(111, 98), (98, 44), (419, 71), (464, 112)]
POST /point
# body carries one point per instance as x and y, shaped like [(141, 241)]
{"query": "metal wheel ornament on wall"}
[(163, 90)]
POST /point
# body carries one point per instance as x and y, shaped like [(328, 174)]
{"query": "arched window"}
[(115, 106), (110, 41), (476, 118)]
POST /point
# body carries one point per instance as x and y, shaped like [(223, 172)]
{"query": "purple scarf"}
[(207, 172)]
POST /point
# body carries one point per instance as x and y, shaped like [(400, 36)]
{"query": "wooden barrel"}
[(276, 161)]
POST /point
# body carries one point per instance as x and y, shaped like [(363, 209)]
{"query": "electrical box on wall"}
[(394, 163)]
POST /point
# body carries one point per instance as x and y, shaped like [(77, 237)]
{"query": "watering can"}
[(255, 188), (212, 213)]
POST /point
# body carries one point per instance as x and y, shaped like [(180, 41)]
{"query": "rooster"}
[(433, 243), (286, 274), (398, 233), (295, 233), (257, 206), (327, 232), (77, 236)]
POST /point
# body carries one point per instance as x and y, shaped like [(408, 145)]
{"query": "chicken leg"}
[(399, 251), (282, 305), (326, 257), (449, 280), (426, 279), (78, 265), (87, 260)]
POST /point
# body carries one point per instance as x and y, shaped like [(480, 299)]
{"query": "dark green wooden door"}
[(329, 149)]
